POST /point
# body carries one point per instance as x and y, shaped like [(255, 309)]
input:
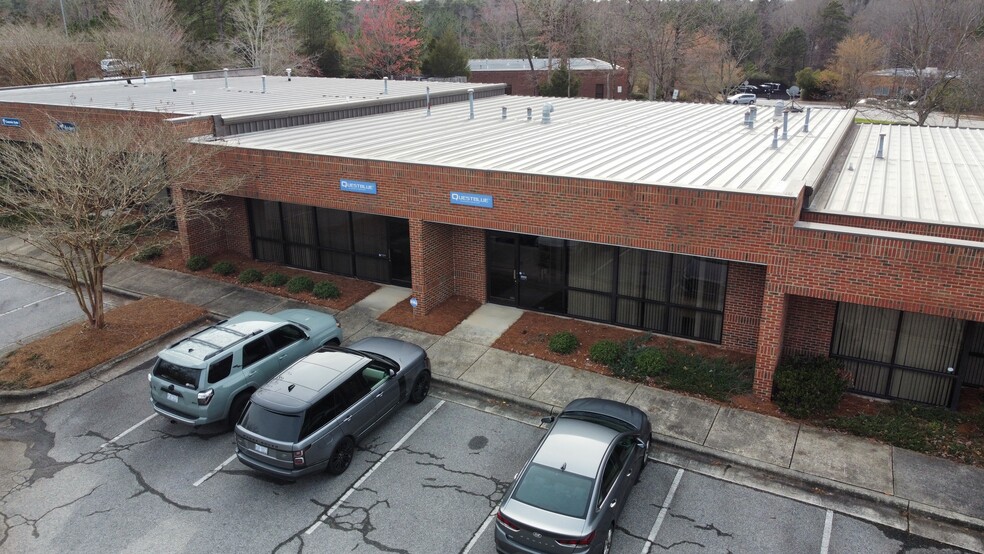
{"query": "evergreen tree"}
[(445, 57), (562, 83), (315, 22), (789, 54)]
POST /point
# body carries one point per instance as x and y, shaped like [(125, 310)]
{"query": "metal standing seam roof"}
[(928, 174), (539, 64), (677, 144), (244, 96)]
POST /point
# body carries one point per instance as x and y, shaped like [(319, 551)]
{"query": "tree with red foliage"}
[(387, 42)]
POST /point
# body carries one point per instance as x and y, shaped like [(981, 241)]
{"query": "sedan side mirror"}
[(640, 443), (548, 419)]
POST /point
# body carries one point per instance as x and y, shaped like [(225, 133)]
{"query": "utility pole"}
[(64, 21)]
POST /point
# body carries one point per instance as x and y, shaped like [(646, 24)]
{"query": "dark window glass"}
[(351, 391), (369, 234), (255, 351), (269, 251), (302, 235), (219, 370), (698, 282), (336, 262), (318, 415), (285, 336), (333, 229), (613, 467), (266, 219), (551, 489), (179, 375), (599, 90), (271, 425)]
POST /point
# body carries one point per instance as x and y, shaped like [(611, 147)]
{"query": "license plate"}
[(172, 397), (261, 449)]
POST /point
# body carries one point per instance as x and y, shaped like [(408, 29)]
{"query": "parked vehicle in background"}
[(570, 494), (747, 88), (742, 98), (209, 376), (311, 416), (115, 67)]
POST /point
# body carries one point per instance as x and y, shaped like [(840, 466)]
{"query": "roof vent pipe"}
[(775, 138), (547, 109), (173, 89), (225, 73), (785, 125), (143, 73), (471, 103), (880, 153), (503, 112), (263, 80), (806, 124), (529, 114), (386, 85), (288, 74), (427, 100)]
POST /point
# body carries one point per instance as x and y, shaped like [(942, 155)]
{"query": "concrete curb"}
[(527, 403)]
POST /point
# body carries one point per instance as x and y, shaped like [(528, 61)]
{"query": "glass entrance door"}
[(527, 271)]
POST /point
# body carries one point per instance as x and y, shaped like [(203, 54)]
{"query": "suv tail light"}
[(205, 397), (299, 457), (582, 541), (510, 524)]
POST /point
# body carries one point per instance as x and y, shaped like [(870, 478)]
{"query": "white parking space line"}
[(485, 525), (662, 512), (33, 303), (125, 433), (827, 527), (214, 471), (366, 475)]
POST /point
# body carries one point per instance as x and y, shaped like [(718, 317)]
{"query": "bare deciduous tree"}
[(146, 34), (35, 54), (263, 40), (84, 196), (855, 57), (710, 68)]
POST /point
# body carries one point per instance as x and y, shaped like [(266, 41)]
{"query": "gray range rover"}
[(310, 417)]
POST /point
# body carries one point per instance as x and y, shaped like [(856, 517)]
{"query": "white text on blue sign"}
[(362, 187), (472, 199), (10, 122)]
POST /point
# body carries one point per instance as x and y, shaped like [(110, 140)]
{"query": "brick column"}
[(432, 263), (771, 327), (201, 237)]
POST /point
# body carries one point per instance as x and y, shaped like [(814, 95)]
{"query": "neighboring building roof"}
[(539, 64), (245, 95), (687, 145), (927, 174)]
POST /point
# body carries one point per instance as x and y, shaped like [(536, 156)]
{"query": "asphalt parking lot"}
[(29, 306), (102, 473)]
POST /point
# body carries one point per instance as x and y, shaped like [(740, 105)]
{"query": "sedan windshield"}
[(272, 425), (177, 374), (556, 491)]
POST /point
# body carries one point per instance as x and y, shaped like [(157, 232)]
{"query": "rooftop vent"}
[(547, 110), (880, 153)]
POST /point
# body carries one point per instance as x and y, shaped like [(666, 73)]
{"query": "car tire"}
[(341, 457), (333, 342), (420, 388), (751, 101), (645, 460), (735, 102), (236, 408), (608, 539)]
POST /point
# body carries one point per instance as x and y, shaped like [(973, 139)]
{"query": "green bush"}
[(149, 253), (563, 342), (809, 386), (605, 352), (651, 361), (326, 289), (197, 263), (250, 275), (275, 279), (299, 285), (224, 268)]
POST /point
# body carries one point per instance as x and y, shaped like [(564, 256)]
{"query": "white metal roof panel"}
[(244, 95), (687, 145), (539, 64), (927, 174)]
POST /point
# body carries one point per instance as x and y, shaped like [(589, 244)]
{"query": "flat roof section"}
[(660, 143), (244, 96), (539, 64), (926, 174)]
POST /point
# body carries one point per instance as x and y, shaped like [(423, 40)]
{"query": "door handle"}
[(282, 357), (348, 419), (522, 276), (380, 395), (612, 505)]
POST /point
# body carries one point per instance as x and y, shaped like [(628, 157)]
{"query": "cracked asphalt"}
[(66, 486)]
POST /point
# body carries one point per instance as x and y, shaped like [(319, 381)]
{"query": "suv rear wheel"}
[(420, 388), (342, 456), (237, 407)]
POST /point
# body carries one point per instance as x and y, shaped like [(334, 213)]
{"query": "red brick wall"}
[(521, 82), (898, 226), (743, 307), (809, 326), (432, 263), (41, 119), (469, 263)]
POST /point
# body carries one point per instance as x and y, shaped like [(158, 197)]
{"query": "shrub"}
[(224, 268), (250, 275), (197, 263), (650, 361), (149, 253), (809, 386), (605, 352), (300, 284), (326, 289), (275, 279), (563, 342)]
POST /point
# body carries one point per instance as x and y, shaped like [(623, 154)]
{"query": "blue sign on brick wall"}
[(65, 126), (471, 199), (10, 122), (362, 187)]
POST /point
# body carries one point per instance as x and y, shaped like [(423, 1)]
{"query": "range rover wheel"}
[(420, 388), (237, 408), (342, 456)]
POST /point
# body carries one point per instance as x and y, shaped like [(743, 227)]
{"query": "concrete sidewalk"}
[(926, 496)]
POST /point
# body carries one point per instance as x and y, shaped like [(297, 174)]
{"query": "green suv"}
[(209, 376)]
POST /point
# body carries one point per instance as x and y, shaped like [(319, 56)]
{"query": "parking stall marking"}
[(33, 303), (324, 517), (128, 431), (828, 525), (662, 512), (214, 471), (485, 525)]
